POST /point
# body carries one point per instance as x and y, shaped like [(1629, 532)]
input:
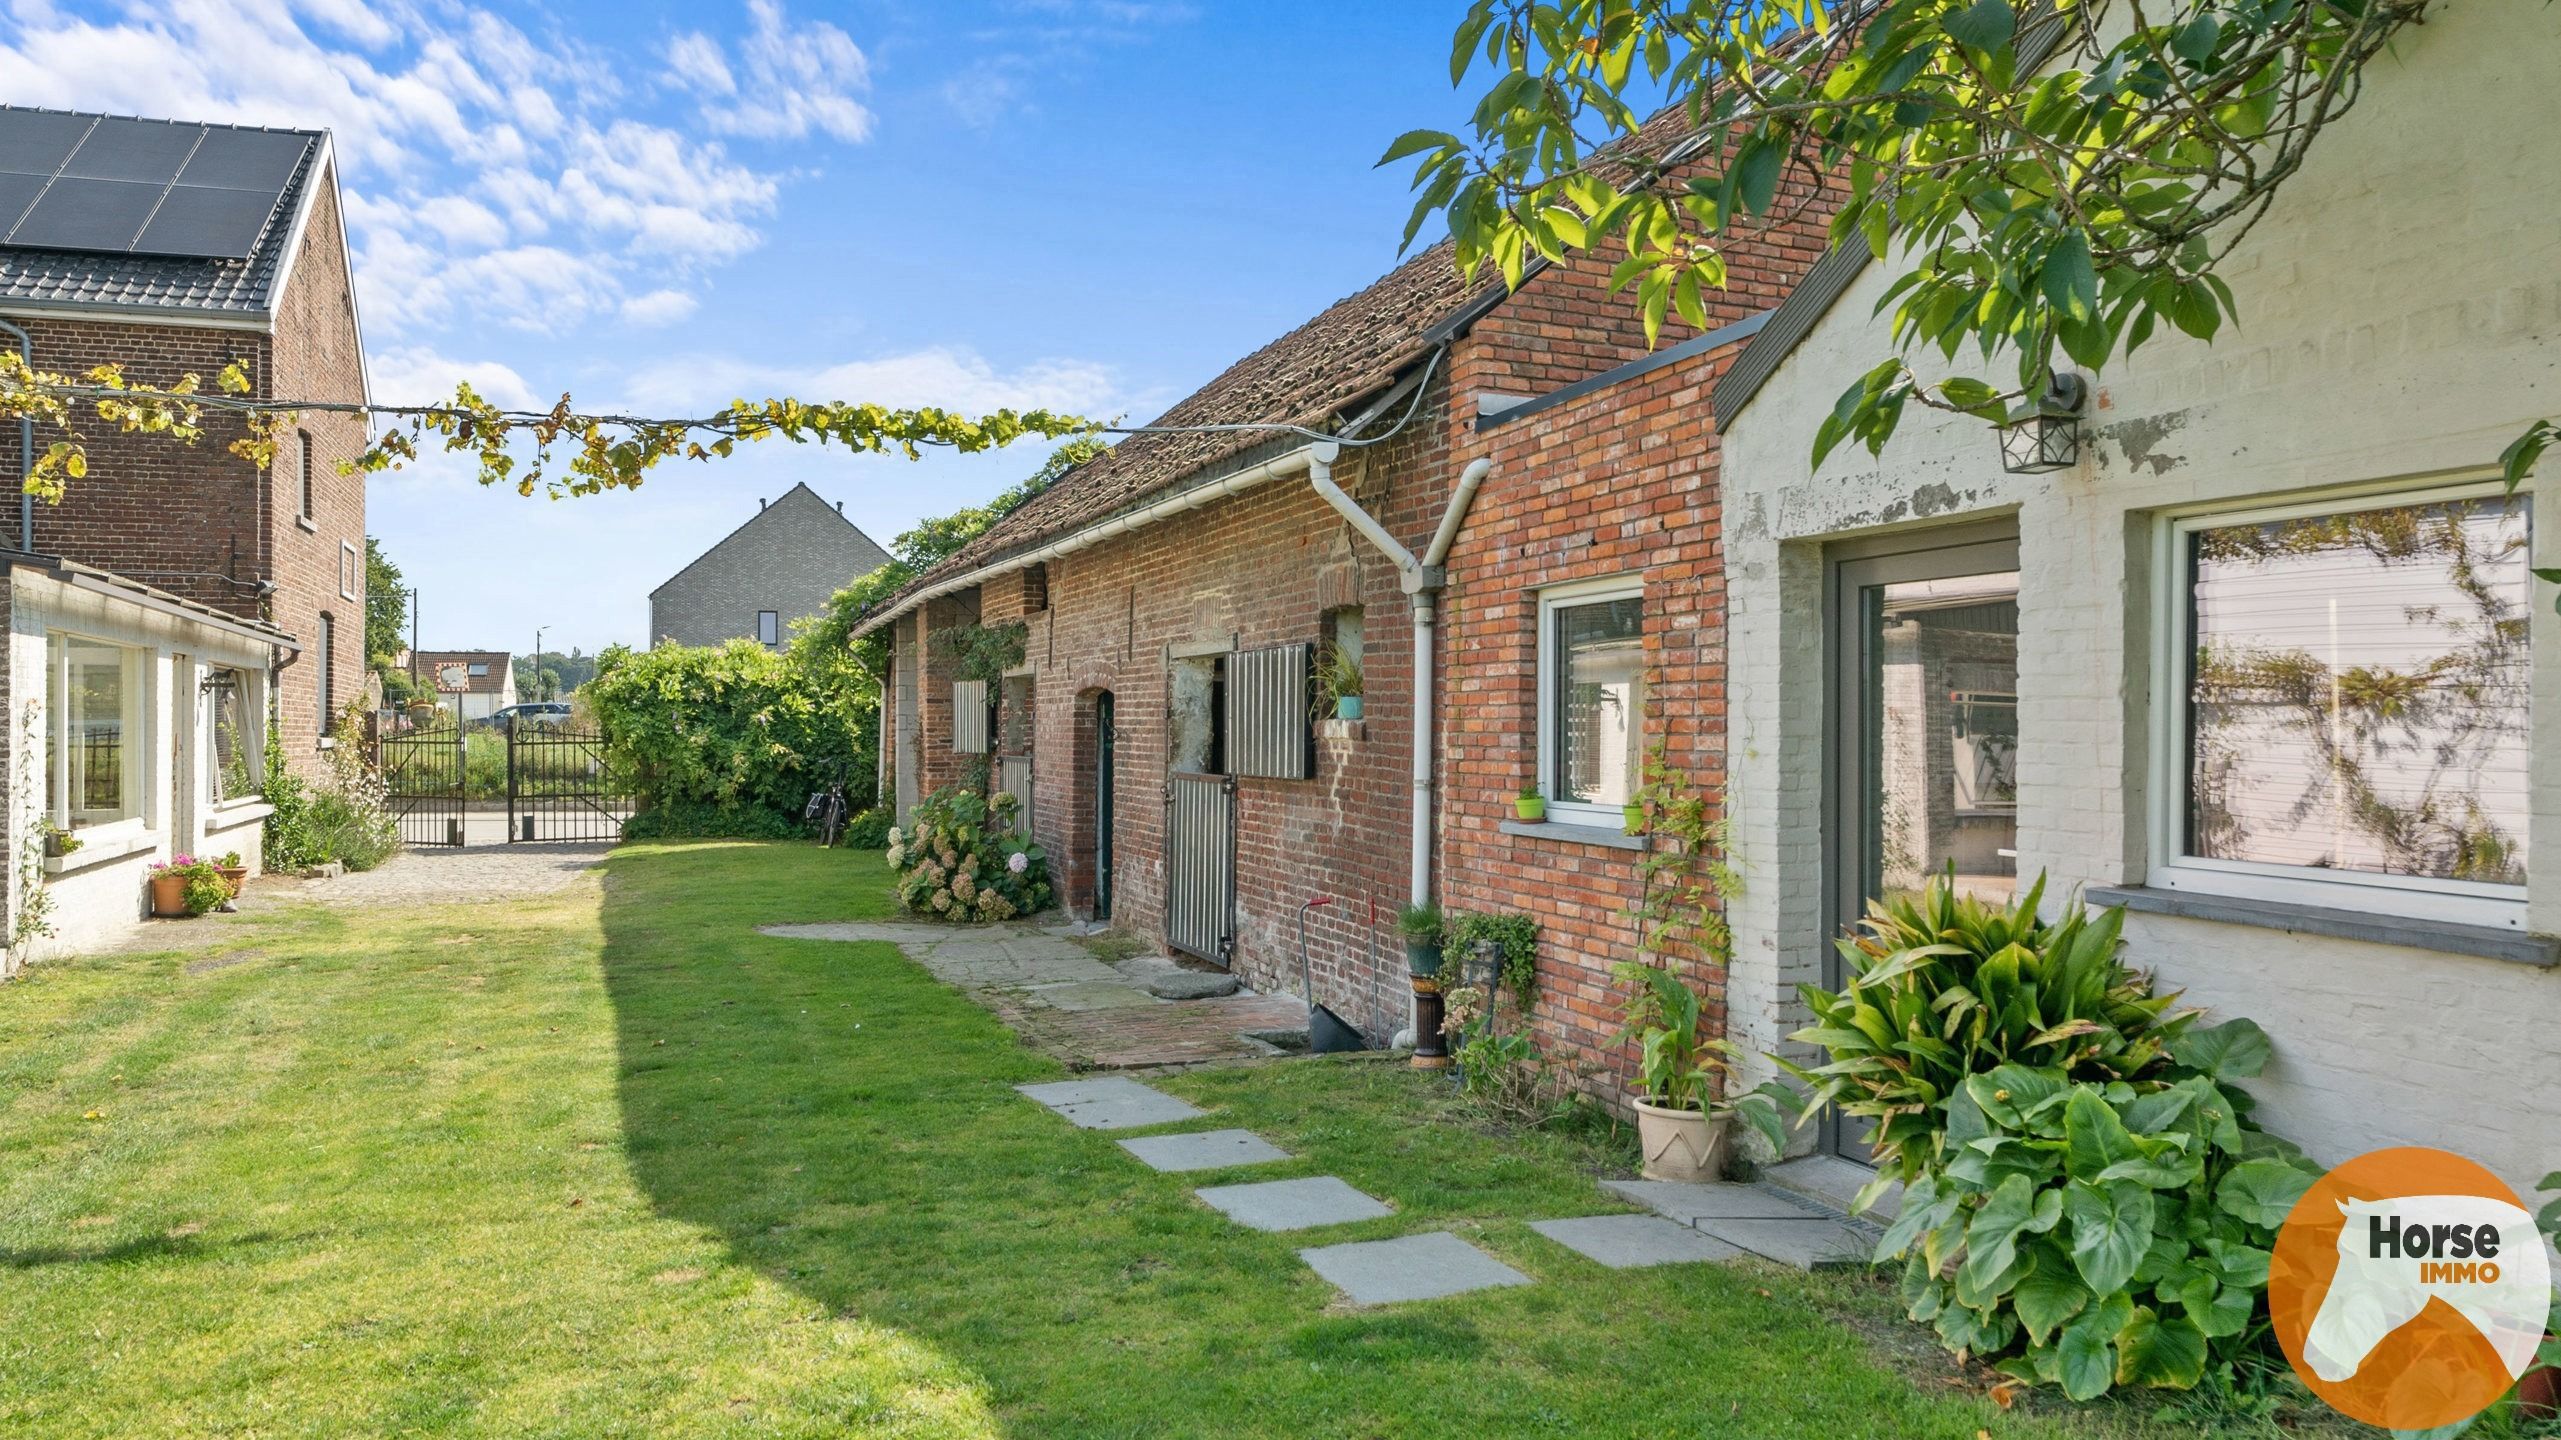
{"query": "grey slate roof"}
[(163, 283)]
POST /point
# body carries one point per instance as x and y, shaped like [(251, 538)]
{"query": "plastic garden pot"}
[(1531, 807), (1422, 959), (1347, 707), (1681, 1145), (1635, 816)]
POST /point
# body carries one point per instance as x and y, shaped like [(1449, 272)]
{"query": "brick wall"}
[(1620, 482), (200, 522)]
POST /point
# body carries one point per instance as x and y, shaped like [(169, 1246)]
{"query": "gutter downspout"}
[(26, 449), (1423, 579)]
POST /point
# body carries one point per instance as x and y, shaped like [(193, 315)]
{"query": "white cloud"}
[(483, 166), (658, 307), (952, 377), (417, 376)]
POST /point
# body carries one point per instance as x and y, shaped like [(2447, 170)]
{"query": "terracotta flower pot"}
[(235, 876), (169, 896), (1682, 1145)]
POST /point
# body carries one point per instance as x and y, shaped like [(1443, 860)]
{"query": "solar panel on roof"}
[(16, 192), (245, 160), (77, 214), (34, 142), (148, 150), (204, 220)]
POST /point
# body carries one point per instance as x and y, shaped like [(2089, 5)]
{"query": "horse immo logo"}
[(2409, 1288)]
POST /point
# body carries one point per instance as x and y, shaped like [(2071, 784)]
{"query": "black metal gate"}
[(422, 773), (560, 788)]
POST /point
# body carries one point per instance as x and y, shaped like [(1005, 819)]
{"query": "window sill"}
[(102, 852), (232, 813), (1558, 830), (2540, 951), (309, 525)]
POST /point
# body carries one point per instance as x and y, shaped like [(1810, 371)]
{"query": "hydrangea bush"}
[(960, 857)]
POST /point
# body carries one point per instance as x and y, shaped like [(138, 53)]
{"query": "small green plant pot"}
[(1531, 807), (1347, 707), (1421, 959), (1635, 816)]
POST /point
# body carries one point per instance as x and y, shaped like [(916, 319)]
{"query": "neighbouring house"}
[(1175, 594), (473, 684), (783, 565), (180, 610), (2264, 664)]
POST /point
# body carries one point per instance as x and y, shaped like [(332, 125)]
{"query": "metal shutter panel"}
[(1268, 692), (969, 716)]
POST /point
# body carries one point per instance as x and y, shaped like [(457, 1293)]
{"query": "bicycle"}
[(828, 809)]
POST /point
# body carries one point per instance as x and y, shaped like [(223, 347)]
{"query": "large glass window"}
[(1592, 725), (2354, 686), (233, 720), (93, 701)]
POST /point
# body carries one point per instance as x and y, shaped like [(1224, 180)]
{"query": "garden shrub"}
[(962, 859), (868, 831), (688, 820), (2087, 1202), (345, 817), (728, 736)]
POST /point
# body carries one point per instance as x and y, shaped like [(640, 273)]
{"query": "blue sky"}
[(1093, 204)]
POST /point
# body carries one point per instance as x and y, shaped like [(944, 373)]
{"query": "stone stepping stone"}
[(1204, 1150), (1080, 995), (1691, 1204), (1166, 980), (1631, 1242), (1292, 1204), (1113, 1104), (1764, 1221), (1410, 1267)]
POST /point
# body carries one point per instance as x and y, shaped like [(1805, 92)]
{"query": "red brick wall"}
[(1618, 482), (200, 522)]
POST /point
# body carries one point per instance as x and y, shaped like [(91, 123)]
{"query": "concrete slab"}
[(1832, 1183), (1410, 1267), (1629, 1242), (1090, 995), (1116, 1103), (1204, 1150), (1814, 1243), (1292, 1204), (1691, 1204)]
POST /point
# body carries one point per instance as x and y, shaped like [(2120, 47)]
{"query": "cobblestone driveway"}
[(438, 876)]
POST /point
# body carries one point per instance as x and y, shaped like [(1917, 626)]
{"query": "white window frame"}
[(350, 569), (140, 776), (1551, 599), (253, 737), (2416, 897)]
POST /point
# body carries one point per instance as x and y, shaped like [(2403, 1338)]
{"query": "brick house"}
[(783, 565), (473, 684), (213, 608), (1936, 659), (1174, 591)]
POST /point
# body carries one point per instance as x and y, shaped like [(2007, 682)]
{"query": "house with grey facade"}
[(780, 566)]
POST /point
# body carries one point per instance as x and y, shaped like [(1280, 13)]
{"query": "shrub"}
[(730, 729), (1510, 940), (868, 831), (346, 817), (962, 859), (2086, 1201), (201, 883), (685, 820)]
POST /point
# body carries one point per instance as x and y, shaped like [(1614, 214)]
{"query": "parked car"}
[(551, 713)]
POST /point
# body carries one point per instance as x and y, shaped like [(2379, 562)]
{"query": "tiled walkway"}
[(1067, 1003)]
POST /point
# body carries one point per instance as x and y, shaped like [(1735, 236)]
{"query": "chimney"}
[(760, 502), (840, 507)]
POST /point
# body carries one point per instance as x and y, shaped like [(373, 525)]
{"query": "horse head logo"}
[(2479, 1255)]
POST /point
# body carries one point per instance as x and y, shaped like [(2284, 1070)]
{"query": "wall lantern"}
[(2045, 434)]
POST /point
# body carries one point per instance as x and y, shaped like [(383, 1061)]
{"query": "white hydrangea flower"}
[(1018, 862)]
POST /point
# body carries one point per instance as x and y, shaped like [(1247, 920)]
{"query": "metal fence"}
[(560, 787)]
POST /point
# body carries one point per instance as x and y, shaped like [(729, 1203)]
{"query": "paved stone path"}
[(1762, 1219), (440, 876), (1068, 1003)]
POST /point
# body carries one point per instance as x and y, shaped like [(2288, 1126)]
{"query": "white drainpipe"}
[(1422, 579)]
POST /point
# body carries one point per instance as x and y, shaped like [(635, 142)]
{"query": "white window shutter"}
[(1268, 692)]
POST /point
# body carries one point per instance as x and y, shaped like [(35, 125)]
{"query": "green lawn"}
[(530, 1169)]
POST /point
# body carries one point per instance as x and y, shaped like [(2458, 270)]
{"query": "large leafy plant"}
[(2086, 1202), (1678, 1065)]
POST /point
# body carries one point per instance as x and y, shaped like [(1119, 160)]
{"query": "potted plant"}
[(1530, 805), (1421, 927), (1634, 814), (1681, 1125), (1338, 684), (233, 871), (58, 842)]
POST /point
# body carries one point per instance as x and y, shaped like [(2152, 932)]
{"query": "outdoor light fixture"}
[(2045, 434)]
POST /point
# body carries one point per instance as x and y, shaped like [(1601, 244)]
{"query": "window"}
[(1591, 729), (232, 719), (2346, 717), (350, 571), (302, 447), (478, 669), (1199, 728), (93, 731), (769, 627), (328, 692)]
